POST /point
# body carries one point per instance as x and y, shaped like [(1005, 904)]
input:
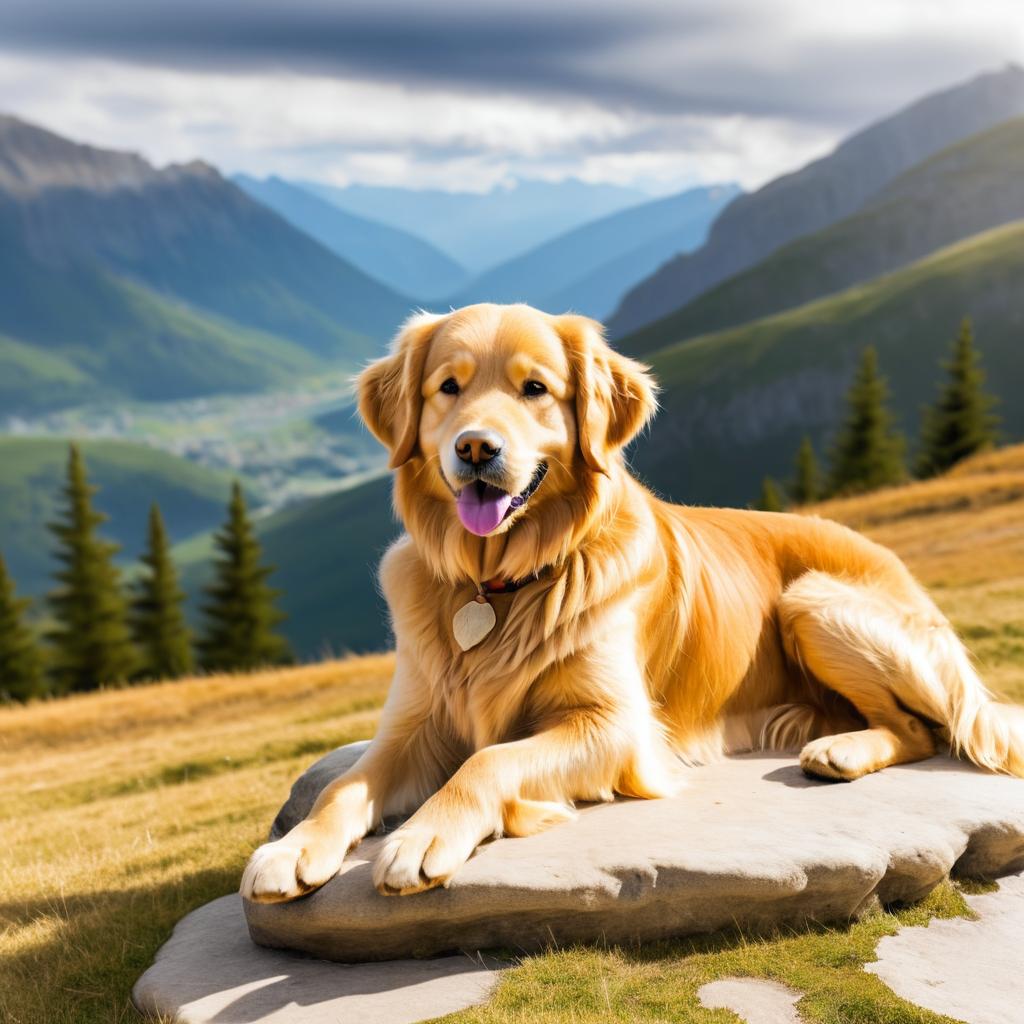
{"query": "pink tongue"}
[(480, 514)]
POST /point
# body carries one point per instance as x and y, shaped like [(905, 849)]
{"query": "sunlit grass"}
[(122, 811), (659, 982)]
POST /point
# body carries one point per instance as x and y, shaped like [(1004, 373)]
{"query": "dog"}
[(563, 635)]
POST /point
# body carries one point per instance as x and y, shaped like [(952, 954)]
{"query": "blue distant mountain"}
[(590, 268), (401, 260), (481, 230)]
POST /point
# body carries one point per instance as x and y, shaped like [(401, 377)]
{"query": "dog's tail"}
[(977, 726)]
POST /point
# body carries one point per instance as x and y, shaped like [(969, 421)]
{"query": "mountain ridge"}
[(483, 229), (589, 267), (960, 191), (824, 191), (158, 276), (403, 261)]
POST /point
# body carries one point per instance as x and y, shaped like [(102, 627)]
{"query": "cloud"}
[(458, 93)]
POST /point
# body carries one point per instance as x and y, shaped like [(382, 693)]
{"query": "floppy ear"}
[(615, 396), (390, 396)]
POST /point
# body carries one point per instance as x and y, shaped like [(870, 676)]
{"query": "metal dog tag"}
[(473, 622)]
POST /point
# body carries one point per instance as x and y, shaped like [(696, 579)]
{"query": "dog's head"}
[(502, 411)]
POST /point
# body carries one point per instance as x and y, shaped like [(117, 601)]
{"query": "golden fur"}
[(655, 635)]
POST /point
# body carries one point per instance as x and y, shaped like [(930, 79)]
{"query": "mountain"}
[(734, 404), (970, 187), (823, 192), (118, 278), (76, 334), (130, 476), (482, 229), (397, 258), (589, 268)]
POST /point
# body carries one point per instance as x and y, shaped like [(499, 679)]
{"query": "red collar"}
[(503, 586)]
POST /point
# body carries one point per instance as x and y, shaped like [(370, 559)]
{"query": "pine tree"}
[(806, 485), (21, 668), (91, 642), (771, 499), (158, 623), (868, 452), (240, 614), (961, 422)]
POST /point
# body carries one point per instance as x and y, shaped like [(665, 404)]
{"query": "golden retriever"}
[(631, 636)]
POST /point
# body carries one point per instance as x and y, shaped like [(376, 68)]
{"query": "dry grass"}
[(121, 811)]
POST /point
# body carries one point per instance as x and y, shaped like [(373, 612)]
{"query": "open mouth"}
[(483, 507)]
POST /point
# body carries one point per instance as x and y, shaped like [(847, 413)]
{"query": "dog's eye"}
[(450, 386), (534, 388)]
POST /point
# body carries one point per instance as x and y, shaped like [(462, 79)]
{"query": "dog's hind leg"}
[(854, 639)]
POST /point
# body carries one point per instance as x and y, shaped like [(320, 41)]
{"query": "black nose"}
[(476, 446)]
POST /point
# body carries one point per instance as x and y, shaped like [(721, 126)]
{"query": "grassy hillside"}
[(735, 403), (130, 476), (124, 810), (80, 334), (970, 187)]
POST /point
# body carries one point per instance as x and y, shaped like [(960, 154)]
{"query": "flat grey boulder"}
[(209, 973), (751, 841)]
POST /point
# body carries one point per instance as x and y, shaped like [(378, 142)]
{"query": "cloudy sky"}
[(468, 93)]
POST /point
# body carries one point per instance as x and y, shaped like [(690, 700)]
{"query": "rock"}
[(209, 971), (753, 1000), (751, 842), (970, 970), (307, 786)]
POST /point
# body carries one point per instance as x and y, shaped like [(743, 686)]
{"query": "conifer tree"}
[(91, 642), (240, 613), (157, 619), (21, 668), (806, 485), (961, 422), (868, 452), (771, 499)]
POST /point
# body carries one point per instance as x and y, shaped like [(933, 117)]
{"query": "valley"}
[(290, 444)]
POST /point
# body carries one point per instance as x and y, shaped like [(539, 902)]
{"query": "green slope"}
[(82, 334), (31, 378), (968, 188), (130, 476), (735, 403), (326, 552)]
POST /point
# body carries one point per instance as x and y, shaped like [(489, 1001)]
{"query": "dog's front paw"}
[(302, 861), (418, 857)]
